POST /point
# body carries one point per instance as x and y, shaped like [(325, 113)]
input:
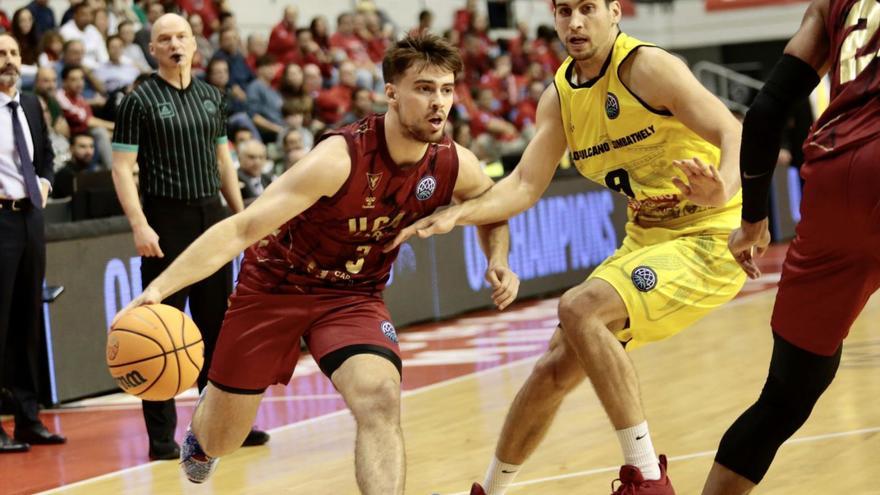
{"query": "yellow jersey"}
[(620, 142)]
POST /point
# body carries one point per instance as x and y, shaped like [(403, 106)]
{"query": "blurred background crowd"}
[(284, 87)]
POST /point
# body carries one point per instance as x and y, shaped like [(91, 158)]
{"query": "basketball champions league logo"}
[(612, 106), (425, 188)]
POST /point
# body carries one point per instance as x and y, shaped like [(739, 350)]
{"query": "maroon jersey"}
[(338, 241), (853, 115)]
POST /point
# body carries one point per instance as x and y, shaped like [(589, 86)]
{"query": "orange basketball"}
[(155, 352)]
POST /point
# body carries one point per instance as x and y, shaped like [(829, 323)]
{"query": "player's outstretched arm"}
[(516, 192), (792, 79), (494, 237), (665, 82), (320, 173)]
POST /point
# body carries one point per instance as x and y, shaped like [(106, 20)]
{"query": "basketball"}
[(154, 352)]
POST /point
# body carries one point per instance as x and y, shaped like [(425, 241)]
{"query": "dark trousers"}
[(22, 267), (178, 223)]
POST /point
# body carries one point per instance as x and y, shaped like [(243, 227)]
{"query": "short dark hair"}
[(70, 68), (265, 60), (358, 91), (78, 135), (76, 8), (422, 49)]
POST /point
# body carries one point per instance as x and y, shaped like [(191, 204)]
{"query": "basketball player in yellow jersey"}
[(637, 121)]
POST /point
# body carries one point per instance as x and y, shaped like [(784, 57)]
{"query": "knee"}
[(577, 305), (557, 372), (375, 401)]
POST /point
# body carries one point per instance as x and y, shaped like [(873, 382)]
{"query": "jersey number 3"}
[(861, 35)]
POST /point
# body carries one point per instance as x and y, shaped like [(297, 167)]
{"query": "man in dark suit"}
[(25, 180), (251, 179)]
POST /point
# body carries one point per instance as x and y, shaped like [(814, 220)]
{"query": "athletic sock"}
[(499, 477), (638, 450)]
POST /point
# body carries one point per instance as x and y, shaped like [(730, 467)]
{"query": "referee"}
[(174, 127)]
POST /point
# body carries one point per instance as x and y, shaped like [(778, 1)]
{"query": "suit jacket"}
[(43, 155), (248, 192)]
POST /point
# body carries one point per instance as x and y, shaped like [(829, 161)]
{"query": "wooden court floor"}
[(694, 385)]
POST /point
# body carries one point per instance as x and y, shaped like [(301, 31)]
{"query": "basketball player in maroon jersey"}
[(315, 267), (833, 265)]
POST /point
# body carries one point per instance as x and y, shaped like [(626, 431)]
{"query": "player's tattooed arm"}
[(664, 82)]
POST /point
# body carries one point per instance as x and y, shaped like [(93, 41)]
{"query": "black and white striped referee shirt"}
[(174, 133)]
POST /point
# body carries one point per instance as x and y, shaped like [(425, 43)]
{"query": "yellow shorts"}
[(669, 278)]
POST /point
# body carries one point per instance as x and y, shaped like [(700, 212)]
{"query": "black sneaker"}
[(255, 437)]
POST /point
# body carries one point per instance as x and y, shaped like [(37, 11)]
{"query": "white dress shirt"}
[(92, 40), (11, 179)]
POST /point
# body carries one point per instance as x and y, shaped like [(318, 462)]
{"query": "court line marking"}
[(404, 394), (684, 457), (292, 426), (186, 402)]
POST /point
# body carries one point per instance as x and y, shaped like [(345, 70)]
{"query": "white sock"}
[(638, 450), (499, 477)]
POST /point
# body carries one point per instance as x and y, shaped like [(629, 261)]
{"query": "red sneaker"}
[(633, 483), (476, 489)]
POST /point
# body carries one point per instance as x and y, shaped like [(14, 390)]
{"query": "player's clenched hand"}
[(146, 241), (148, 296), (505, 285), (704, 186), (747, 242), (440, 222)]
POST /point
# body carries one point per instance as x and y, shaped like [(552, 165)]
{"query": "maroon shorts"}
[(259, 343), (833, 265)]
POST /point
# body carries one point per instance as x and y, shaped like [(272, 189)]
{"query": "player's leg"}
[(370, 385), (825, 284), (555, 374), (659, 283), (223, 419), (220, 423), (355, 344), (587, 313), (796, 380), (258, 346)]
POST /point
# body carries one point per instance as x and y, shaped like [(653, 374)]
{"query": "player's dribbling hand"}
[(146, 241), (704, 186), (505, 285), (748, 242), (148, 296), (440, 222)]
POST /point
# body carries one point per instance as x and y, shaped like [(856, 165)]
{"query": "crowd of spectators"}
[(283, 88)]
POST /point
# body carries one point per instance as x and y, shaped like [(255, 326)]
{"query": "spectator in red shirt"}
[(78, 113), (346, 40), (379, 36), (331, 104), (463, 17), (523, 116), (308, 51), (256, 46), (283, 40), (320, 32), (207, 10), (505, 86)]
